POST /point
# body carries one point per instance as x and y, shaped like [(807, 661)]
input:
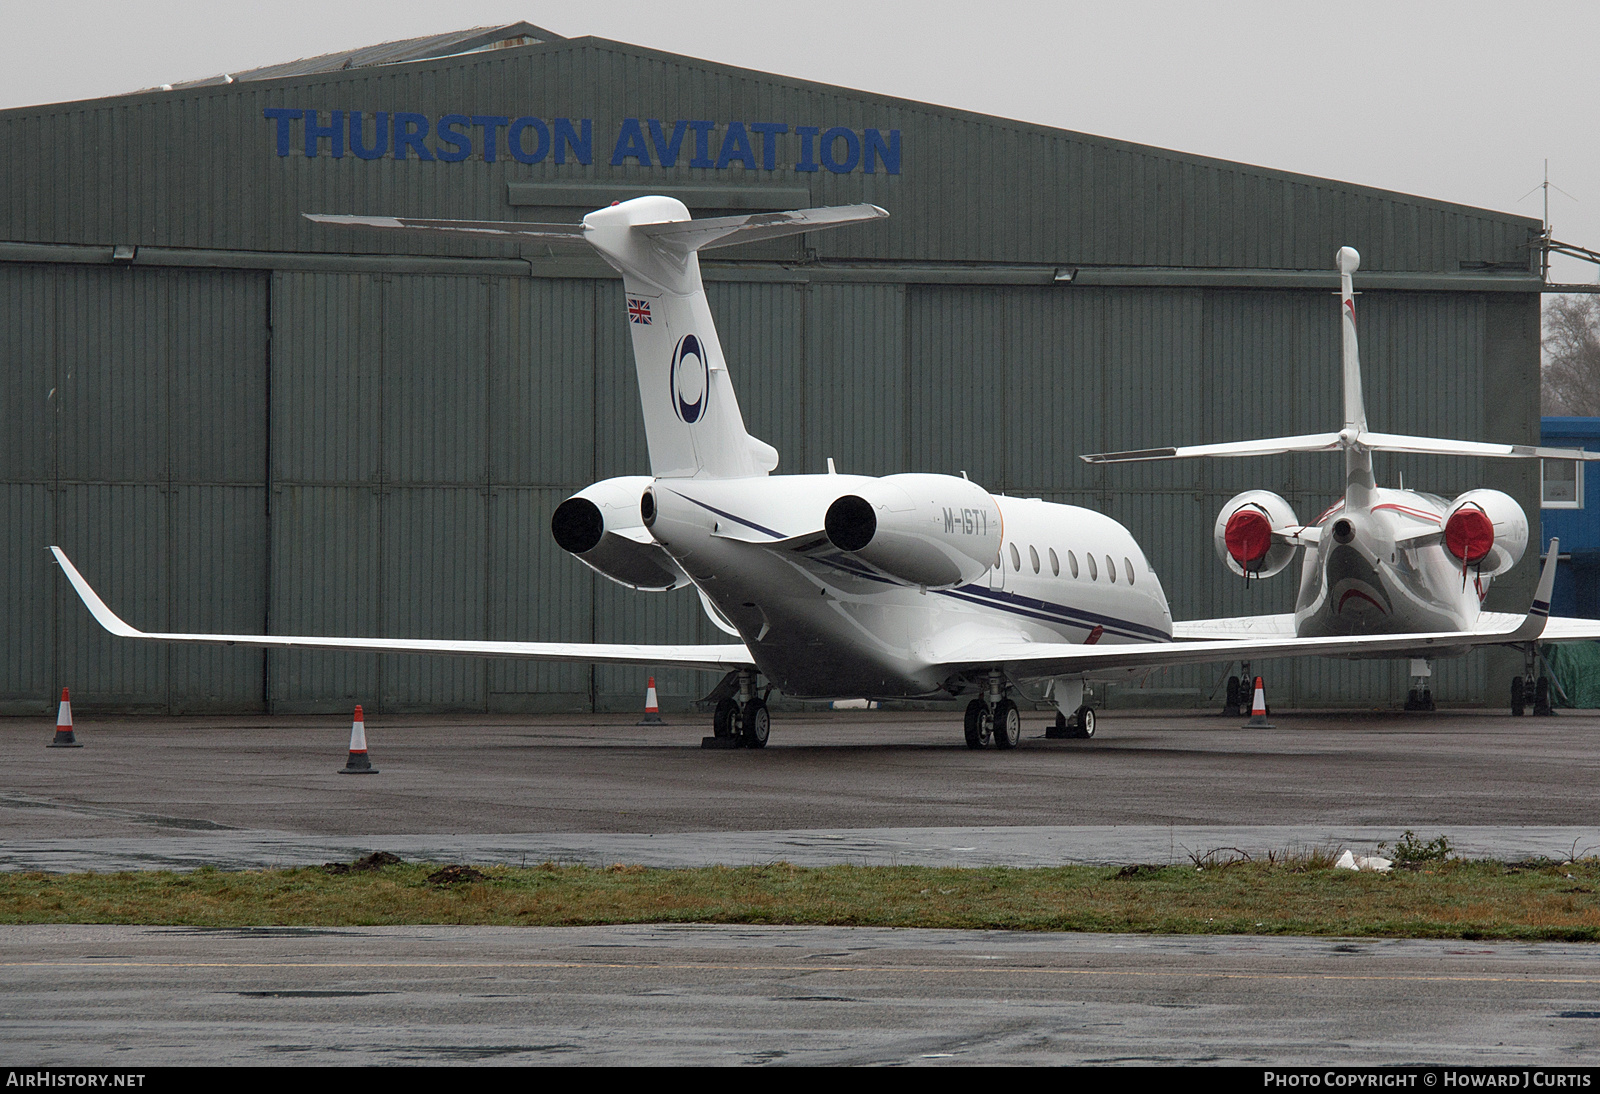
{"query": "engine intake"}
[(603, 526), (1486, 530), (1243, 533), (930, 530)]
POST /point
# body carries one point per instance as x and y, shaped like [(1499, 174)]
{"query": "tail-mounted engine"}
[(929, 530), (1486, 530), (1243, 533), (602, 525)]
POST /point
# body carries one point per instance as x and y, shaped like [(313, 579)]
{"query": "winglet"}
[(91, 600), (1539, 613)]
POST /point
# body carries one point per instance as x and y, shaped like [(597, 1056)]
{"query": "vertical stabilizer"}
[(1359, 482), (691, 417)]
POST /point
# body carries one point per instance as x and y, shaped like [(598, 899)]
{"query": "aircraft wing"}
[(719, 658)]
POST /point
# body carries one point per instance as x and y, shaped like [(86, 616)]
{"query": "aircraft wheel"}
[(1086, 722), (1427, 699), (1519, 700), (973, 726), (1541, 696), (1230, 705), (722, 721), (1007, 724), (755, 724)]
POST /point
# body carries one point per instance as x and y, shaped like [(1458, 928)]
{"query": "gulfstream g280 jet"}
[(832, 586), (1378, 560)]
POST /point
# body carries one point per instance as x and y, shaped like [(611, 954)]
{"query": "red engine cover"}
[(1469, 534), (1249, 536)]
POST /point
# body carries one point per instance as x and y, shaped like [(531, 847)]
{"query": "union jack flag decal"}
[(638, 311)]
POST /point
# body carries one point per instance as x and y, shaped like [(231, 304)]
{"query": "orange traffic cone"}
[(358, 763), (64, 737), (1258, 709), (652, 712)]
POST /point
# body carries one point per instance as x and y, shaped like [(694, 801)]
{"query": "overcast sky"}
[(1461, 101)]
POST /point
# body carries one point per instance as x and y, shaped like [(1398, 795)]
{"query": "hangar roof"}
[(232, 167), (428, 47)]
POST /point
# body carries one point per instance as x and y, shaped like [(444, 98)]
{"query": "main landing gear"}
[(1420, 697), (741, 720), (1528, 688), (994, 717)]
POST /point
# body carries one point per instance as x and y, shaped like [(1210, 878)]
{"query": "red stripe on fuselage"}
[(1363, 596), (1418, 513)]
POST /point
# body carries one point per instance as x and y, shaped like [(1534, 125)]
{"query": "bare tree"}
[(1571, 372)]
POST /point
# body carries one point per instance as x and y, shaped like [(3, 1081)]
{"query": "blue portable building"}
[(1570, 509)]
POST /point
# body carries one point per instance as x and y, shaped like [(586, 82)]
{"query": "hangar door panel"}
[(133, 404)]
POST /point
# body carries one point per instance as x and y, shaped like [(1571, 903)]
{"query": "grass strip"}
[(1453, 899)]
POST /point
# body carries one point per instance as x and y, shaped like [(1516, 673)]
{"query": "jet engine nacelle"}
[(1486, 530), (930, 530), (601, 524), (1243, 533)]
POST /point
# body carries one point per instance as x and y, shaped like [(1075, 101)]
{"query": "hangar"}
[(236, 420)]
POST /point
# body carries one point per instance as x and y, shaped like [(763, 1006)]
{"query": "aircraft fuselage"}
[(819, 622)]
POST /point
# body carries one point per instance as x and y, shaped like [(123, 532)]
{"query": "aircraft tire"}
[(1230, 705), (973, 725), (722, 720), (1007, 724), (1519, 700), (1541, 696), (755, 724), (1085, 720)]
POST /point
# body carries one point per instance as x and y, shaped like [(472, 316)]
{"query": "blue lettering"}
[(890, 152), (702, 156), (852, 148), (514, 140), (459, 141), (334, 131), (582, 146), (630, 145), (667, 152), (769, 145), (283, 117), (380, 130), (736, 146), (490, 124), (808, 136), (409, 129)]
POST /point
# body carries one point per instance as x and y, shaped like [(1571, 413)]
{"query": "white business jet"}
[(1378, 560), (835, 586)]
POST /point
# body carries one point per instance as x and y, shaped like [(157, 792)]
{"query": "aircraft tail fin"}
[(691, 417)]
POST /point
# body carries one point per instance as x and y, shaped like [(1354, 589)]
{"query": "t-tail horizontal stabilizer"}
[(1333, 442), (692, 422)]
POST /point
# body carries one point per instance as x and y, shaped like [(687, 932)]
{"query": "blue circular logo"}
[(691, 380)]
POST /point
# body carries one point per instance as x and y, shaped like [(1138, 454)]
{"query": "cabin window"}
[(1055, 564), (1094, 571), (1016, 559), (1033, 557), (1563, 484), (1111, 570), (1127, 568), (1072, 563)]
